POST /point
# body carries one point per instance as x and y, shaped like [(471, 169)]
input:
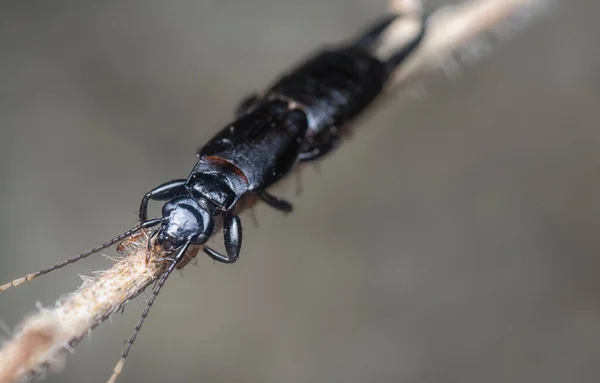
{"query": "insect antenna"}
[(119, 366), (59, 265)]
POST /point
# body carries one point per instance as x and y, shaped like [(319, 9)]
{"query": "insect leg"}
[(164, 192), (323, 144), (232, 233), (216, 256), (276, 202)]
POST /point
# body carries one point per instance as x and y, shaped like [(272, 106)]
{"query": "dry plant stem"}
[(449, 29), (44, 338)]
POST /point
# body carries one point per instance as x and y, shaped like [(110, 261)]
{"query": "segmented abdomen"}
[(333, 86)]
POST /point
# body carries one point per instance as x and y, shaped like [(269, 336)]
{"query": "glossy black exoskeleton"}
[(335, 86), (247, 156), (299, 118)]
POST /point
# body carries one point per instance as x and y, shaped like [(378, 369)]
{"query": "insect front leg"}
[(232, 233), (164, 192)]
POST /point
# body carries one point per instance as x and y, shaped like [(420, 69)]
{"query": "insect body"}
[(336, 85), (299, 118), (247, 156)]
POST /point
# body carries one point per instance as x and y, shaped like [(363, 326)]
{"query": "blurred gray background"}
[(454, 239)]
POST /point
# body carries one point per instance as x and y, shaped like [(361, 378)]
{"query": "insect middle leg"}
[(164, 192), (276, 202), (321, 145), (232, 233)]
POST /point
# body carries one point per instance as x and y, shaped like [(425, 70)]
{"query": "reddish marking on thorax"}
[(219, 161)]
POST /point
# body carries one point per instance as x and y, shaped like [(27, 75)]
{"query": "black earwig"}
[(297, 119)]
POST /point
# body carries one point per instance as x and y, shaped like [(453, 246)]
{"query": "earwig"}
[(299, 118)]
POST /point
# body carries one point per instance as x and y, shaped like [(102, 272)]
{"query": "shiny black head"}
[(184, 220)]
